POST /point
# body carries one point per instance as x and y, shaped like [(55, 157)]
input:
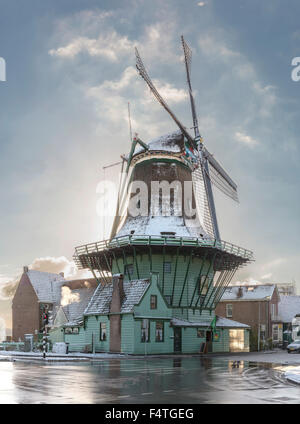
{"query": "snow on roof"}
[(47, 286), (171, 142), (257, 292), (288, 307), (100, 302), (155, 225), (221, 323)]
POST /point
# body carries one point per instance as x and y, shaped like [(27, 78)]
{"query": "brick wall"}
[(248, 312), (25, 310)]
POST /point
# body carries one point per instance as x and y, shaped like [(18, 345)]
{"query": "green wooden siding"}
[(76, 341), (153, 347), (185, 274), (127, 333), (92, 332), (190, 342)]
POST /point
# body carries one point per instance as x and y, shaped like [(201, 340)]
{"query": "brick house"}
[(38, 291), (255, 305), (35, 292)]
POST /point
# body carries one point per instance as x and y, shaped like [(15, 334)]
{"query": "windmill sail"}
[(219, 177), (188, 61), (202, 205), (142, 71)]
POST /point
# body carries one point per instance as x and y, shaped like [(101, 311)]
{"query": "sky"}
[(70, 73)]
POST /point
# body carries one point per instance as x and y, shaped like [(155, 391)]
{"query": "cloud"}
[(201, 3), (46, 264), (266, 276), (216, 47), (55, 265), (245, 139), (114, 109), (110, 46)]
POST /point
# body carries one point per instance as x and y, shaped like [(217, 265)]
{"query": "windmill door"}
[(177, 340)]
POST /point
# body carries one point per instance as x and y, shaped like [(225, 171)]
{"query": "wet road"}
[(183, 380)]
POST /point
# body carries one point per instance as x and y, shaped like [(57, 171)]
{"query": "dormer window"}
[(153, 301)]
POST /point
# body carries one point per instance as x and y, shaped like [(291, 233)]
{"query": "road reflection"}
[(158, 380)]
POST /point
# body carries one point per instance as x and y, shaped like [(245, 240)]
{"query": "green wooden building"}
[(161, 274)]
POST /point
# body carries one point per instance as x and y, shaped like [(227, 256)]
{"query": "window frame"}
[(162, 331), (102, 336), (229, 306), (153, 296), (147, 334), (200, 333)]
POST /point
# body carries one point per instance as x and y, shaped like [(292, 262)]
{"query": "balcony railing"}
[(137, 240)]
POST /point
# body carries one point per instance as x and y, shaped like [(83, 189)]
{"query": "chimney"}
[(25, 268), (240, 292), (117, 294)]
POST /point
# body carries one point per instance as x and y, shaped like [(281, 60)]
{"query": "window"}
[(200, 333), (68, 330), (102, 331), (128, 269), (159, 331), (275, 333), (75, 330), (153, 301), (145, 331), (273, 311), (168, 299), (167, 267), (229, 310)]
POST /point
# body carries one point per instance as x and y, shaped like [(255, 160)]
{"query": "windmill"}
[(207, 169), (194, 264)]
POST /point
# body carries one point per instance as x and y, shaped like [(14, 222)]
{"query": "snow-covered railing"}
[(163, 240)]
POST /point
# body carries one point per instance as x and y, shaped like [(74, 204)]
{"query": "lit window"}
[(229, 310), (102, 331), (159, 331), (153, 301), (145, 331)]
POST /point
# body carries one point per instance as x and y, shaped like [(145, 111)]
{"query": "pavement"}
[(290, 361)]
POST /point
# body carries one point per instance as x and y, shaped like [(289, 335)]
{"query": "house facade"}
[(36, 292), (133, 317), (257, 306)]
